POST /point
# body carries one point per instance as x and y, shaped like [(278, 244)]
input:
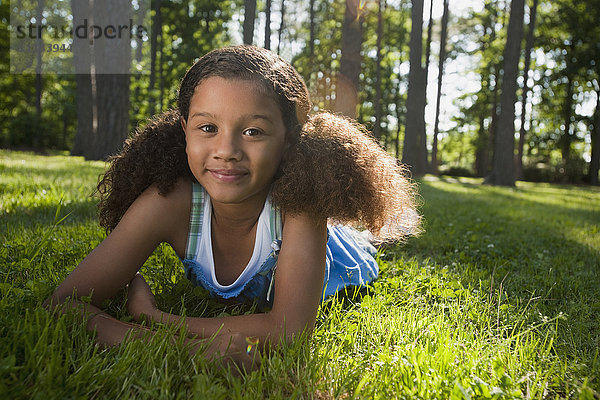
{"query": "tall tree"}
[(268, 25), (414, 154), (479, 114), (594, 166), (346, 97), (428, 41), (281, 27), (423, 137), (84, 94), (528, 47), (378, 83), (503, 172), (154, 50), (39, 49), (249, 18), (566, 81), (109, 62), (442, 58), (312, 27), (568, 134)]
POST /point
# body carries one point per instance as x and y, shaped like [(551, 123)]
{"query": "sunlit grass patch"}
[(498, 298)]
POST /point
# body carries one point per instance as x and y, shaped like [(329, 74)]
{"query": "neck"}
[(238, 218)]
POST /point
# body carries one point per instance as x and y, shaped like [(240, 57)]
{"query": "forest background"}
[(496, 89)]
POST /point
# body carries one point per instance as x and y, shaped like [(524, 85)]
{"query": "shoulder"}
[(301, 224), (171, 201), (167, 215), (304, 238)]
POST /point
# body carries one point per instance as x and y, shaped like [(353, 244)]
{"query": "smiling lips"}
[(228, 175)]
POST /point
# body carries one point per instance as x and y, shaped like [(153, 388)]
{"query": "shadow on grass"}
[(82, 211), (546, 255), (53, 169)]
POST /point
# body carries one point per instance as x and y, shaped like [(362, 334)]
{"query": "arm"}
[(115, 261), (298, 288), (150, 220)]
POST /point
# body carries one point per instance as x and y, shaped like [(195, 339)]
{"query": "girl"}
[(241, 181)]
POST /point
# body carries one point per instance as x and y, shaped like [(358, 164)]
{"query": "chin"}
[(232, 195)]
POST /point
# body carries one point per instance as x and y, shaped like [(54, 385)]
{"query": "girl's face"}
[(235, 138)]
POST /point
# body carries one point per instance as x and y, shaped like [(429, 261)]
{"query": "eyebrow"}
[(245, 116)]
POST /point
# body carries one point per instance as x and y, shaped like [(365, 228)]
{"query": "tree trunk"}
[(311, 44), (423, 139), (161, 76), (595, 161), (84, 100), (103, 94), (428, 41), (84, 95), (503, 170), (413, 153), (484, 155), (567, 112), (268, 25), (249, 18), (346, 96), (113, 116), (156, 30), (443, 38), (490, 150), (281, 27), (311, 49), (528, 47), (377, 100), (399, 119), (39, 50)]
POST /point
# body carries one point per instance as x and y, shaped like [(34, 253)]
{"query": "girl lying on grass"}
[(241, 181)]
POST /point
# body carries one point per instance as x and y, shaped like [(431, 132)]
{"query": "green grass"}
[(499, 298)]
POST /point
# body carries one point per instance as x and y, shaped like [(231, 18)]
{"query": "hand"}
[(232, 350), (140, 300)]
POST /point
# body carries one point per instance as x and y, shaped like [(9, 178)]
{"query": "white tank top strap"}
[(199, 245)]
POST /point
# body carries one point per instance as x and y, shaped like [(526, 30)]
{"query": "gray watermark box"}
[(80, 37)]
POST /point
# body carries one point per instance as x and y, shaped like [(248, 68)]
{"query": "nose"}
[(227, 146)]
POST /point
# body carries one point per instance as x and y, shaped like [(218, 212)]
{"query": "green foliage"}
[(320, 71), (565, 74), (189, 30), (21, 126), (497, 299)]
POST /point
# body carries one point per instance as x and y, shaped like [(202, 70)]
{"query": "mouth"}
[(228, 175)]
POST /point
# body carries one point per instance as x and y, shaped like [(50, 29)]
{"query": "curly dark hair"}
[(338, 171), (333, 168), (255, 64)]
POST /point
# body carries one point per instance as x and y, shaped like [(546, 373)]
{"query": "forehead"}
[(216, 91)]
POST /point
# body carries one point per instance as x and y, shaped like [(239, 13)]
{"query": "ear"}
[(183, 124)]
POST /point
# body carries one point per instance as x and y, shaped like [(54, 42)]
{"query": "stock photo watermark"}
[(80, 37)]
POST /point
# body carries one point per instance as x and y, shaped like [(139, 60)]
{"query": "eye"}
[(253, 132), (208, 128)]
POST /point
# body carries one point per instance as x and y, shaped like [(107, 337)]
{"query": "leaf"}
[(360, 385)]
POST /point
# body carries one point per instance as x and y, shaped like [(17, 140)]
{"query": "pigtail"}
[(336, 170), (154, 154)]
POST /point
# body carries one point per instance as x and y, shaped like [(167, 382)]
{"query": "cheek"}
[(194, 153), (273, 162)]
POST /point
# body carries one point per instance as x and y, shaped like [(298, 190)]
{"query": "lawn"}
[(498, 298)]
